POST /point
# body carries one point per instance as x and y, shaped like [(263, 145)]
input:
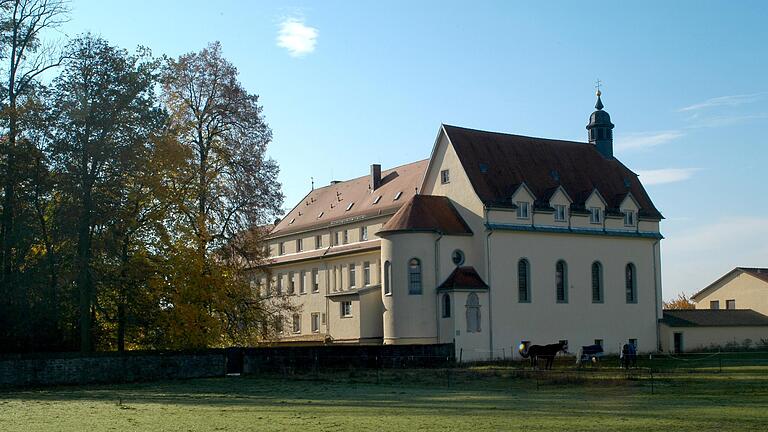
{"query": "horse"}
[(547, 352)]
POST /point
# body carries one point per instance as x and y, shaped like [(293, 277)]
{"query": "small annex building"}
[(689, 330), (494, 239), (742, 288)]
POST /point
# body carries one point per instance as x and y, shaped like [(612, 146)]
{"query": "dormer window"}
[(349, 207), (292, 221), (376, 201), (523, 210), (397, 196), (445, 176), (559, 212), (629, 218), (595, 215), (320, 215)]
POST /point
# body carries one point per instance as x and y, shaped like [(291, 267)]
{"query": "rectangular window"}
[(281, 248), (291, 283), (318, 241), (363, 233), (322, 318), (629, 218), (445, 177), (337, 238), (299, 245), (302, 288), (599, 342), (346, 236), (346, 309), (315, 280), (560, 212), (366, 273), (595, 215), (730, 304), (352, 278), (279, 284), (523, 209), (714, 304), (315, 322), (296, 323)]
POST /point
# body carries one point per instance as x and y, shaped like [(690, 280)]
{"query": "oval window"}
[(457, 257)]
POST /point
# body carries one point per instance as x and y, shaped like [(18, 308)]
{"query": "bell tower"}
[(600, 128)]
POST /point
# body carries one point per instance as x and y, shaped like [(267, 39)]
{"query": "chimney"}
[(375, 176)]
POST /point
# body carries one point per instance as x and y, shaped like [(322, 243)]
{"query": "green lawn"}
[(477, 399)]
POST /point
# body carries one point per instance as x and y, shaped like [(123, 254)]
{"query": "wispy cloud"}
[(712, 121), (298, 38), (645, 140), (665, 175), (700, 254), (732, 100)]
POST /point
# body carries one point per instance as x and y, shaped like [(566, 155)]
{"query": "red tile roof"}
[(463, 277), (427, 213), (498, 163), (333, 201)]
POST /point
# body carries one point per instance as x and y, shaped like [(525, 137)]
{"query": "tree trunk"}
[(122, 297), (84, 279)]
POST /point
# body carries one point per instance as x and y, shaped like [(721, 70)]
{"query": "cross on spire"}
[(598, 84)]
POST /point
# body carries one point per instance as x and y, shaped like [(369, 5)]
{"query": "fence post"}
[(461, 354), (720, 360)]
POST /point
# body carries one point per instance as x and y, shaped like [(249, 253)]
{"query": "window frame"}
[(473, 309), (281, 248), (299, 245), (296, 324), (600, 285), (366, 273), (318, 241), (314, 322), (346, 308), (523, 210), (558, 209), (630, 283), (291, 282), (527, 288), (595, 215), (445, 176), (415, 277), (629, 218), (730, 302), (352, 273), (315, 280), (561, 278), (302, 286), (715, 303), (445, 305), (364, 233), (387, 269)]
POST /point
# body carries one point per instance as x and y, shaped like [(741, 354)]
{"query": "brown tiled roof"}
[(498, 163), (333, 200), (760, 273), (427, 213), (714, 318), (463, 277)]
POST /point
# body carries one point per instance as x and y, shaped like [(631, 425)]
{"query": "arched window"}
[(523, 281), (597, 282), (387, 278), (631, 283), (561, 281), (446, 305), (473, 313), (414, 276)]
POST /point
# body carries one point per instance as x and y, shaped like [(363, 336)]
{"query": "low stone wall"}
[(345, 356), (75, 368)]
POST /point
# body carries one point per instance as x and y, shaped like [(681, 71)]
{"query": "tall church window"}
[(387, 278), (523, 281), (446, 305), (414, 276), (631, 283), (473, 313), (597, 282), (561, 281)]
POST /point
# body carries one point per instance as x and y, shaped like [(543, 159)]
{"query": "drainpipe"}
[(437, 279), (490, 286), (656, 291)]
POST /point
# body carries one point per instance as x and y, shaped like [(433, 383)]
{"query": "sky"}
[(345, 84)]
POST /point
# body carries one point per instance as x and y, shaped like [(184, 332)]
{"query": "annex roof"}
[(463, 278), (714, 318), (353, 199), (427, 213), (498, 163), (758, 272)]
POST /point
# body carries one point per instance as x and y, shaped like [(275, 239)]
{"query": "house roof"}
[(758, 272), (714, 318), (427, 213), (498, 163), (327, 252), (463, 278), (334, 201)]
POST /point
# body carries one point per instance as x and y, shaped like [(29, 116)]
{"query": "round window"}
[(457, 257)]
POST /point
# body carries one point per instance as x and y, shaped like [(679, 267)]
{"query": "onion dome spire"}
[(600, 128)]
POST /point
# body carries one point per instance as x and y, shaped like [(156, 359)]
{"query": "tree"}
[(681, 302), (105, 114), (229, 186)]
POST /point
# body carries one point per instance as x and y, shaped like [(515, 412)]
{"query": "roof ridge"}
[(366, 175), (516, 135)]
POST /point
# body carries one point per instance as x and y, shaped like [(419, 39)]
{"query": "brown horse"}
[(546, 352)]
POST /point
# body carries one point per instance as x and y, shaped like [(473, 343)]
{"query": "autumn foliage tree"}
[(682, 301)]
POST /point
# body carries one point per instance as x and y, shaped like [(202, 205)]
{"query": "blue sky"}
[(345, 84)]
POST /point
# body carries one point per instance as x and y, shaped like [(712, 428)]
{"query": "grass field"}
[(476, 399)]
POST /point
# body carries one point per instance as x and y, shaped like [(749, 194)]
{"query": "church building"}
[(493, 240)]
